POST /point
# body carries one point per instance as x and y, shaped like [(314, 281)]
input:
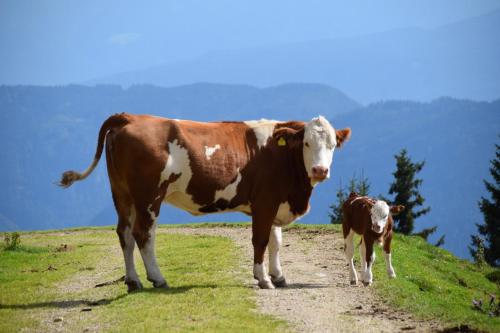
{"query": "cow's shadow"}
[(307, 285), (85, 303)]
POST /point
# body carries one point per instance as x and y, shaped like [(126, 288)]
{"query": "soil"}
[(319, 297)]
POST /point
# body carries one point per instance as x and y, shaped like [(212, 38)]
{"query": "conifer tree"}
[(488, 240), (406, 190), (361, 186)]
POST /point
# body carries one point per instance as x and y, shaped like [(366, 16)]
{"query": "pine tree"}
[(361, 186), (489, 232), (405, 188)]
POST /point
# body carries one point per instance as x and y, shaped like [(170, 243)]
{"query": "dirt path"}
[(319, 297)]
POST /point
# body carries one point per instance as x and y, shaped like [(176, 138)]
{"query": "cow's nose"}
[(319, 172)]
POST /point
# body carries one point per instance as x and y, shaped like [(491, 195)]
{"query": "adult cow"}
[(266, 169)]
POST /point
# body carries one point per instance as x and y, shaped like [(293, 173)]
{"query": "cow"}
[(371, 219), (265, 168)]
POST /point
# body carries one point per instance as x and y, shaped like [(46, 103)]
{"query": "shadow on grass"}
[(87, 303)]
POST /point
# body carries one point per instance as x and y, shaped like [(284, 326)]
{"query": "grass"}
[(42, 281), (434, 284)]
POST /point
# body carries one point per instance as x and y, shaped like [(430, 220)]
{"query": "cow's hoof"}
[(279, 282), (354, 282), (159, 284), (366, 284), (133, 285), (266, 284)]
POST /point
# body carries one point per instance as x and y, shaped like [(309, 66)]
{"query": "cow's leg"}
[(388, 259), (349, 254), (370, 258), (262, 221), (277, 277), (144, 233), (126, 220)]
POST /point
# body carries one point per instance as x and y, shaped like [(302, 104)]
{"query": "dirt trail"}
[(319, 297)]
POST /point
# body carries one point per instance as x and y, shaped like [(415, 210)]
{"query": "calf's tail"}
[(69, 177)]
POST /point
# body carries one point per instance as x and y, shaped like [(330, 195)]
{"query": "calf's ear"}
[(395, 210), (342, 136)]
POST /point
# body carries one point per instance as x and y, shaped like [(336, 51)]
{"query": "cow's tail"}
[(116, 120)]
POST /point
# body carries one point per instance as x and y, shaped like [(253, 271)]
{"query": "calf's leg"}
[(370, 258), (387, 256), (362, 255), (277, 277), (349, 254)]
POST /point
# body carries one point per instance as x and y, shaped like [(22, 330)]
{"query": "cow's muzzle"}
[(319, 173)]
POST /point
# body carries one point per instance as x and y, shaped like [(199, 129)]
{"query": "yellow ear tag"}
[(281, 142)]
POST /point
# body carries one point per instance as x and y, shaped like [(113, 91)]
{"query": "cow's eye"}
[(307, 145)]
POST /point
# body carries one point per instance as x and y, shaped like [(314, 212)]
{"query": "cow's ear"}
[(342, 136), (284, 135), (395, 210)]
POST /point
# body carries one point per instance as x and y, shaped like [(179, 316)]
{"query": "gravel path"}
[(319, 297)]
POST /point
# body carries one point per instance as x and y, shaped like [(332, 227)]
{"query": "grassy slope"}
[(207, 290), (431, 283)]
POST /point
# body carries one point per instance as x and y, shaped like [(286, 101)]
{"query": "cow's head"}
[(380, 214), (318, 139)]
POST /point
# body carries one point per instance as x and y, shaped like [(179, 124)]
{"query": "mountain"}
[(50, 130), (47, 130), (459, 60)]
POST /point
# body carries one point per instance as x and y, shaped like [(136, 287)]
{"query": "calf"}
[(265, 168), (371, 219)]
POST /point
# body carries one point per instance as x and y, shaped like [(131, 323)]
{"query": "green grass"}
[(434, 284), (208, 293)]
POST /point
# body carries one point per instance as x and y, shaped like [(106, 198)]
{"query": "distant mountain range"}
[(47, 130), (459, 60)]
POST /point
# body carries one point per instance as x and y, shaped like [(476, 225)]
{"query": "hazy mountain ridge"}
[(459, 60), (50, 130)]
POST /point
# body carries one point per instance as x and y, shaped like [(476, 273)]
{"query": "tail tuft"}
[(68, 178)]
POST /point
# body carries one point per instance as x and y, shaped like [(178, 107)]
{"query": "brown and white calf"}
[(266, 169), (371, 219)]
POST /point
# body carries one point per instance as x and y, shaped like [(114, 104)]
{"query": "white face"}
[(319, 144), (379, 214)]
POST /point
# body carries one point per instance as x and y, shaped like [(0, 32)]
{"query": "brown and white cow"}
[(371, 219), (266, 169)]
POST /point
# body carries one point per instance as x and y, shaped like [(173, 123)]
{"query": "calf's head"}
[(379, 213), (318, 139)]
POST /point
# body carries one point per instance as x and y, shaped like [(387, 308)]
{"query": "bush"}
[(12, 241)]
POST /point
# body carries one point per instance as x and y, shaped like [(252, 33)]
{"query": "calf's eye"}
[(307, 145)]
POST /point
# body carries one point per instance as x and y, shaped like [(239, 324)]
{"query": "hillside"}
[(459, 60), (61, 281), (49, 130)]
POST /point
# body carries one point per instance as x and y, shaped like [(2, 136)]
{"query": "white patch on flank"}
[(178, 163), (379, 215), (209, 151), (284, 215), (230, 190), (263, 130), (320, 140)]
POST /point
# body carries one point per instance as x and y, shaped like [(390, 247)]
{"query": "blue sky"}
[(58, 42)]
